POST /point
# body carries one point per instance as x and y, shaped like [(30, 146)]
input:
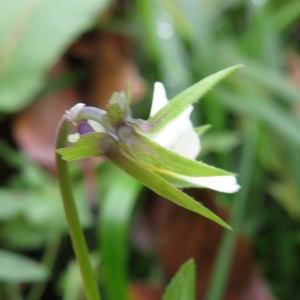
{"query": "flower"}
[(179, 136), (159, 152)]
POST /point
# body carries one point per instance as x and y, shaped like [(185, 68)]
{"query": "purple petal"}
[(84, 128)]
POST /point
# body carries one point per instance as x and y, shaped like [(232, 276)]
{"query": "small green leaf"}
[(182, 286), (139, 171), (17, 268), (181, 101), (202, 129), (91, 144), (160, 157)]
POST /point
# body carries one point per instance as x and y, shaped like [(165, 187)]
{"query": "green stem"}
[(76, 233)]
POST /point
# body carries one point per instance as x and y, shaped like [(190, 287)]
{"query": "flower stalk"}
[(75, 230)]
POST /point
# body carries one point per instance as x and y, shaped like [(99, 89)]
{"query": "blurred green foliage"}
[(255, 132), (33, 35)]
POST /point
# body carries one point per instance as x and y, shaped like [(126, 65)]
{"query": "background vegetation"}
[(56, 53)]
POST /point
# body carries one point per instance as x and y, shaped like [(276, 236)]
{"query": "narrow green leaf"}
[(182, 286), (181, 101), (117, 203), (16, 268), (154, 182), (273, 80), (286, 16), (146, 19), (33, 35), (222, 265), (155, 155), (91, 144), (271, 113), (72, 283)]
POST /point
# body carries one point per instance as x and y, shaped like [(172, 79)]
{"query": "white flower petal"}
[(96, 126), (225, 184), (187, 144), (159, 99), (73, 138), (73, 112), (179, 135)]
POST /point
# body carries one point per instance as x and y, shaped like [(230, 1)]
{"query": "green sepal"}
[(114, 115), (118, 98), (153, 154), (89, 145), (128, 99), (202, 129), (116, 110), (181, 102), (182, 286), (135, 168)]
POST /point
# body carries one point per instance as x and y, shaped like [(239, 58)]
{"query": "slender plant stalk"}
[(220, 274), (76, 233)]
